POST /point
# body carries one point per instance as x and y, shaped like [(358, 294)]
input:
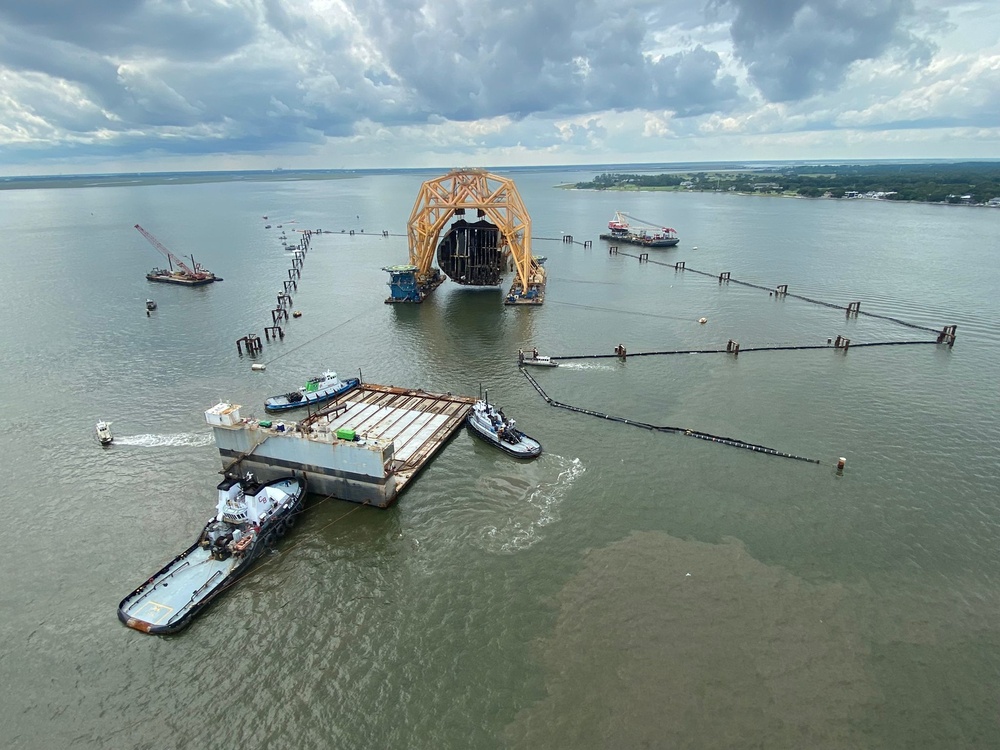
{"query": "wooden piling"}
[(724, 276), (733, 347), (643, 257), (853, 309)]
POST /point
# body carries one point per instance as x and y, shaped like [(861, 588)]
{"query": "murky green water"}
[(628, 589)]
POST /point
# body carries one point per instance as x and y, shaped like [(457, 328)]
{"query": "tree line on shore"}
[(965, 182)]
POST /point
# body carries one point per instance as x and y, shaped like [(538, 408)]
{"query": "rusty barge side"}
[(365, 446)]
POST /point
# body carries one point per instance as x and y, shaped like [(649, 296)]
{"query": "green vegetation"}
[(966, 182)]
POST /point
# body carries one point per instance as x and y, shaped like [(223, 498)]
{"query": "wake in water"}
[(536, 509), (182, 440), (585, 366)]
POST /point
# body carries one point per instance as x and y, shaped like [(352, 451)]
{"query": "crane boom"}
[(196, 274)]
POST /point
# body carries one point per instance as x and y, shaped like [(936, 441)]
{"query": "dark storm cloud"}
[(795, 48), (203, 30), (467, 61)]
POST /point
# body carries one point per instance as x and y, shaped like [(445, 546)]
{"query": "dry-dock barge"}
[(365, 446)]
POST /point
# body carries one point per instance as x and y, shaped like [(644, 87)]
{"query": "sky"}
[(91, 86)]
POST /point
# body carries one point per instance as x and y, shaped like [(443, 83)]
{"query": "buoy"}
[(296, 314), (841, 462), (258, 367), (702, 320)]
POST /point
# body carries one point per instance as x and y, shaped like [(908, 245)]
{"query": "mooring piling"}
[(947, 335), (252, 342)]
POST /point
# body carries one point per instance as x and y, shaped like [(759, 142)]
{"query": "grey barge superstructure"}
[(365, 446)]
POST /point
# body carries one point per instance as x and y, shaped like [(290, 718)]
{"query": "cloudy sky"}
[(143, 85)]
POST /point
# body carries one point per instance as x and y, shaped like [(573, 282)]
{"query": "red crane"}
[(197, 273)]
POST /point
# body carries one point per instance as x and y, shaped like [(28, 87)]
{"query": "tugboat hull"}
[(181, 589), (488, 423), (310, 398)]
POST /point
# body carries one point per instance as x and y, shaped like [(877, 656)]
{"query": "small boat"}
[(250, 518), (103, 432), (535, 359), (490, 423), (297, 314), (150, 304), (315, 391)]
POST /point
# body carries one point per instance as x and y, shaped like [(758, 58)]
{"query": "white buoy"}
[(258, 367), (702, 320), (841, 462)]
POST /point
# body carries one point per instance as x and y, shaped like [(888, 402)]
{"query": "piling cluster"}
[(283, 301)]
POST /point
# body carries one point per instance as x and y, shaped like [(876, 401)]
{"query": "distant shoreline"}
[(965, 183), (570, 186)]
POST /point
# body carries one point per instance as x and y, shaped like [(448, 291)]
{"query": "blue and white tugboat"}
[(250, 518), (490, 423), (315, 391)]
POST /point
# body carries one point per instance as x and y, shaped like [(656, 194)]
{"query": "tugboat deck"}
[(172, 593)]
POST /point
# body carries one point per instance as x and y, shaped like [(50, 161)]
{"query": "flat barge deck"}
[(365, 446)]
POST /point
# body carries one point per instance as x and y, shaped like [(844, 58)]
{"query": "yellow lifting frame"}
[(496, 196)]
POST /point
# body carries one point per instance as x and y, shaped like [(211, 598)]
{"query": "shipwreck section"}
[(471, 253), (365, 446)]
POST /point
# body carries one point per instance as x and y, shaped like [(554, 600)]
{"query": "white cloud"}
[(421, 83)]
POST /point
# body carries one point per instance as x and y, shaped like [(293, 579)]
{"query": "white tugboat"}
[(250, 518), (490, 423), (534, 359), (103, 432)]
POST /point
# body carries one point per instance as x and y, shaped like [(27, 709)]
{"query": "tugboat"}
[(490, 423), (315, 391), (103, 432), (250, 518), (535, 359)]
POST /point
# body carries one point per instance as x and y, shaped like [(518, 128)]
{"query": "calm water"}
[(625, 590)]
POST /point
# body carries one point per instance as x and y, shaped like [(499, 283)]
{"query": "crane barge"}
[(625, 228), (177, 271)]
